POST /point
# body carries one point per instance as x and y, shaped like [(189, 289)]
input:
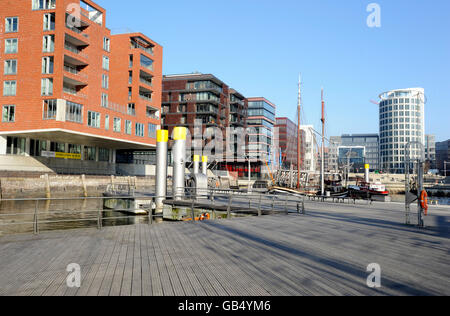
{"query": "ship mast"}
[(322, 168), (299, 133)]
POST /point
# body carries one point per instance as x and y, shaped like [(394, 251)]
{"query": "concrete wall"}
[(66, 186)]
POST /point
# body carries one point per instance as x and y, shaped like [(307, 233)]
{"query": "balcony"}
[(145, 79), (72, 91), (136, 45), (145, 94), (77, 35), (73, 76), (76, 57)]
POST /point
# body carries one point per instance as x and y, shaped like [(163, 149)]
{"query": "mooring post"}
[(179, 162), (303, 207), (162, 138), (286, 207)]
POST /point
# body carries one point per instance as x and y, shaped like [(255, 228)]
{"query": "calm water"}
[(441, 201), (17, 216)]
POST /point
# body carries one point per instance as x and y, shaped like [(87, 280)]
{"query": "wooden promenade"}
[(325, 252)]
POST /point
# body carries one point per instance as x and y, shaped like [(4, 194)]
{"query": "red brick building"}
[(69, 86)]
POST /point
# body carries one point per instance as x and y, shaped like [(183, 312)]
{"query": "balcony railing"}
[(78, 31), (75, 50), (145, 49), (145, 97), (74, 92), (145, 81), (74, 71)]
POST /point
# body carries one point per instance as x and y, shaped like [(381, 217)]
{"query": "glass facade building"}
[(402, 120)]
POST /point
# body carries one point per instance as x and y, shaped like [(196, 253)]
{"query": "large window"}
[(48, 44), (74, 112), (152, 130), (106, 44), (49, 22), (105, 63), (9, 88), (11, 46), (47, 65), (9, 113), (93, 119), (103, 154), (117, 125), (105, 81), (11, 67), (49, 111), (146, 62), (128, 127), (139, 130), (43, 4), (131, 109), (11, 25), (104, 100), (47, 86)]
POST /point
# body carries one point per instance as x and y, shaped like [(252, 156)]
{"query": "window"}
[(104, 100), (105, 63), (11, 67), (11, 25), (9, 88), (48, 44), (74, 112), (103, 154), (47, 65), (128, 127), (152, 130), (139, 130), (49, 22), (50, 107), (43, 4), (9, 113), (107, 122), (11, 46), (131, 109), (93, 119), (105, 81), (47, 86), (146, 62), (106, 44), (117, 125)]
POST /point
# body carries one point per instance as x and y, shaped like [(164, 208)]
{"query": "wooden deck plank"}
[(324, 252)]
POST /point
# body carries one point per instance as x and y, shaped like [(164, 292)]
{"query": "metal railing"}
[(228, 202)]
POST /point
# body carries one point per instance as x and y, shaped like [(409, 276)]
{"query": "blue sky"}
[(259, 47)]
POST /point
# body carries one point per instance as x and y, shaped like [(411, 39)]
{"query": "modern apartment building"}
[(287, 140), (67, 91), (402, 120), (203, 98)]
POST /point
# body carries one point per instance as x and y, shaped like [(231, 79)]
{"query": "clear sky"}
[(259, 47)]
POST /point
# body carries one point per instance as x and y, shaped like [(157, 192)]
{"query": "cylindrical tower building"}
[(402, 120)]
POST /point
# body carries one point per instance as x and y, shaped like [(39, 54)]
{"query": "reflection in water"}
[(18, 216)]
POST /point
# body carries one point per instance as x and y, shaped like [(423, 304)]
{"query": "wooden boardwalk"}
[(325, 252)]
